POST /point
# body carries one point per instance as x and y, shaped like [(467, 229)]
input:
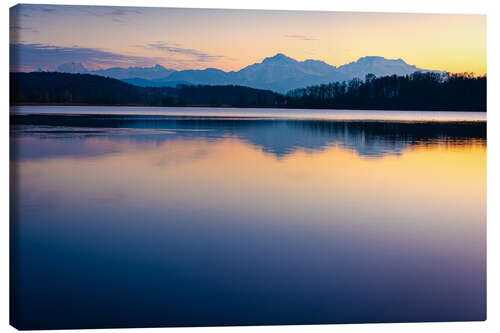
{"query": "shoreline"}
[(235, 107)]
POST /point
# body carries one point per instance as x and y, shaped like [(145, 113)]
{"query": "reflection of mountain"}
[(279, 137)]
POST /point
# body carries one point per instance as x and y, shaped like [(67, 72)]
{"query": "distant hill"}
[(72, 68), (46, 87), (155, 82), (418, 91), (279, 73), (146, 73), (379, 66), (65, 88)]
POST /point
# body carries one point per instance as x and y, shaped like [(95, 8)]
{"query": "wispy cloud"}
[(117, 14), (175, 48), (32, 56), (26, 10), (108, 11), (300, 37), (16, 28)]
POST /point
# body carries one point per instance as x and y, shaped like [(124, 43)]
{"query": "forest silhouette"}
[(418, 91)]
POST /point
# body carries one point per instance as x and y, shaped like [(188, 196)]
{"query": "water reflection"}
[(154, 221), (277, 137)]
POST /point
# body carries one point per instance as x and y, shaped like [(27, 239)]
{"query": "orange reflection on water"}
[(431, 192)]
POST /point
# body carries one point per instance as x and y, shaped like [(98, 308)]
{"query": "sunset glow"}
[(232, 39)]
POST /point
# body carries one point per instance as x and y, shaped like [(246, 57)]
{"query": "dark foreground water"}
[(171, 219)]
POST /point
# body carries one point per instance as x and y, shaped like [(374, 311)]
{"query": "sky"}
[(45, 36)]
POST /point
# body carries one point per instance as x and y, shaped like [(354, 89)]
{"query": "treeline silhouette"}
[(238, 96), (418, 91), (65, 88)]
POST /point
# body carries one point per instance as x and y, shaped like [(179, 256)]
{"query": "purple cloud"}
[(18, 28), (28, 10), (300, 37), (29, 57), (200, 56)]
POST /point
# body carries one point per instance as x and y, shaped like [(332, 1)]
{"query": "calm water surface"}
[(377, 115), (165, 217)]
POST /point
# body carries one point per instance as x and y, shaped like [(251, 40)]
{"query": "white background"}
[(491, 8)]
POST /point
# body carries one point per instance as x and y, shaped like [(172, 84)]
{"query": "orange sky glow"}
[(232, 39)]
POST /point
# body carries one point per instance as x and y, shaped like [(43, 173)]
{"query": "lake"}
[(138, 217)]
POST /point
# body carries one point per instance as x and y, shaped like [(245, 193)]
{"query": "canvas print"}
[(213, 167)]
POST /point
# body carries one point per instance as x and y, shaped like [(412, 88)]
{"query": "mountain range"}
[(279, 73)]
